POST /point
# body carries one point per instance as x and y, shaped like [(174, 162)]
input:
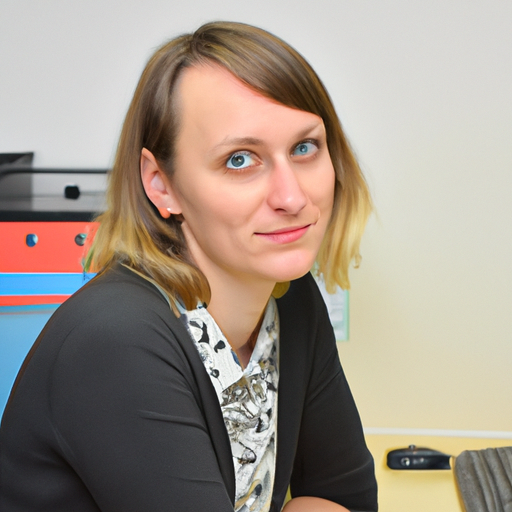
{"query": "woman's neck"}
[(238, 308), (244, 352), (237, 302)]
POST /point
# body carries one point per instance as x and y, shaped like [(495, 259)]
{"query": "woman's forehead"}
[(215, 103), (208, 80)]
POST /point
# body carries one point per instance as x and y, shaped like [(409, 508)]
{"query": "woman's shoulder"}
[(116, 280), (116, 308), (302, 298), (116, 291), (303, 317)]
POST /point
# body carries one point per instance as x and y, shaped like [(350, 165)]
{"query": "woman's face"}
[(253, 179)]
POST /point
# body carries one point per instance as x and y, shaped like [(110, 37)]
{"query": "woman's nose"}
[(285, 190)]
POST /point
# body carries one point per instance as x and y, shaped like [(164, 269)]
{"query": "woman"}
[(198, 370)]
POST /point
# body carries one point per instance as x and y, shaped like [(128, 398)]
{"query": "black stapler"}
[(415, 457)]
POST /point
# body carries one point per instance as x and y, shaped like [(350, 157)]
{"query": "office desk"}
[(417, 490)]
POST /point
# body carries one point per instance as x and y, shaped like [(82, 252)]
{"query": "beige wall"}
[(424, 90), (431, 306)]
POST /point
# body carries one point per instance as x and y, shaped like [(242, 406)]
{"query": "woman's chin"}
[(289, 271)]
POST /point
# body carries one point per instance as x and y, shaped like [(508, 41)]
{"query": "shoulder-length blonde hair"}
[(131, 230)]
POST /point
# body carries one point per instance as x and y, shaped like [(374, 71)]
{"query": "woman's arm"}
[(331, 459), (128, 415)]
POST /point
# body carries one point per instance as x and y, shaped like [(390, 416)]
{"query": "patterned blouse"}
[(248, 400)]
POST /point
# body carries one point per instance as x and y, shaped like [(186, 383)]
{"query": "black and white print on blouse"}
[(248, 400)]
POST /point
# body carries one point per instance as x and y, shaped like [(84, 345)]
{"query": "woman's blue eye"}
[(304, 148), (239, 161)]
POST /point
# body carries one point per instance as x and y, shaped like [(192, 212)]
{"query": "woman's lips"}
[(285, 235)]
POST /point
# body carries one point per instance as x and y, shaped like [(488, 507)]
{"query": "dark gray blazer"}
[(113, 411)]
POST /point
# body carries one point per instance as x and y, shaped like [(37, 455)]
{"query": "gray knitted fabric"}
[(484, 478)]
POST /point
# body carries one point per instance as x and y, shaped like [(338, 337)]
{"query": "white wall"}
[(424, 90)]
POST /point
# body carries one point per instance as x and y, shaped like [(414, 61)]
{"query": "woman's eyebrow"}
[(311, 128), (253, 141), (238, 141)]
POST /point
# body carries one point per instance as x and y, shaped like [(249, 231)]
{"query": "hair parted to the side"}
[(131, 230)]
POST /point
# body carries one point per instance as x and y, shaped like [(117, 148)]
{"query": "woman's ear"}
[(157, 186)]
